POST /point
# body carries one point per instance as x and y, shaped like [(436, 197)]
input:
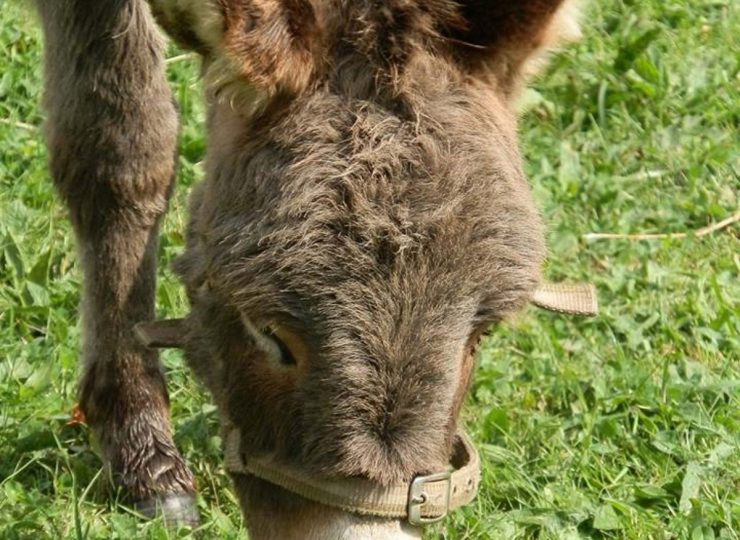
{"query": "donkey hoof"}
[(177, 508)]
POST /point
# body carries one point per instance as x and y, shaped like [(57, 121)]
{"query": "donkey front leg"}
[(111, 132)]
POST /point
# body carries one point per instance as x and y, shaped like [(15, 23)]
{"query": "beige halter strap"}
[(426, 499), (569, 298)]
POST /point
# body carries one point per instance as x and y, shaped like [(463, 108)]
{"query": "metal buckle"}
[(418, 498)]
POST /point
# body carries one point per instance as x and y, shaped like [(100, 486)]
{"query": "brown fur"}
[(372, 204), (111, 136)]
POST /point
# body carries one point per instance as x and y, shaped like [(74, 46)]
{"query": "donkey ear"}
[(273, 44), (166, 334), (506, 37), (269, 44)]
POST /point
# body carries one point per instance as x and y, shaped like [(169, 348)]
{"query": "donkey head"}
[(364, 220)]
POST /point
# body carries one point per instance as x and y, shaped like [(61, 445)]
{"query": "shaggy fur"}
[(386, 242), (364, 196), (380, 214)]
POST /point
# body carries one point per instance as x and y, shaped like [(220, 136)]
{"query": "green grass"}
[(623, 426)]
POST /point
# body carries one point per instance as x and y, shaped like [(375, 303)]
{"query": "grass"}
[(623, 426)]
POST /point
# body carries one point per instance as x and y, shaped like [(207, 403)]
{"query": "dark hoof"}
[(176, 508)]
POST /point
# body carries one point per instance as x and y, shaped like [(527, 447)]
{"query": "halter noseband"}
[(426, 499)]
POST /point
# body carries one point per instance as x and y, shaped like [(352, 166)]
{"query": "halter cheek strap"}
[(568, 298), (571, 299)]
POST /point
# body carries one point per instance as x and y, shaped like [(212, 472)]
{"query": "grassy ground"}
[(624, 426)]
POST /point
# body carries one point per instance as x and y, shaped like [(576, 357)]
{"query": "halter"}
[(426, 498)]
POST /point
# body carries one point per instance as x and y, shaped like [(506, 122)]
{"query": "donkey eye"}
[(291, 349), (281, 345), (286, 355)]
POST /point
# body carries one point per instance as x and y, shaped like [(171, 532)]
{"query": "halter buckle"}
[(418, 497)]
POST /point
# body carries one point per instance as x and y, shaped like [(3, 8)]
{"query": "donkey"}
[(363, 221)]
